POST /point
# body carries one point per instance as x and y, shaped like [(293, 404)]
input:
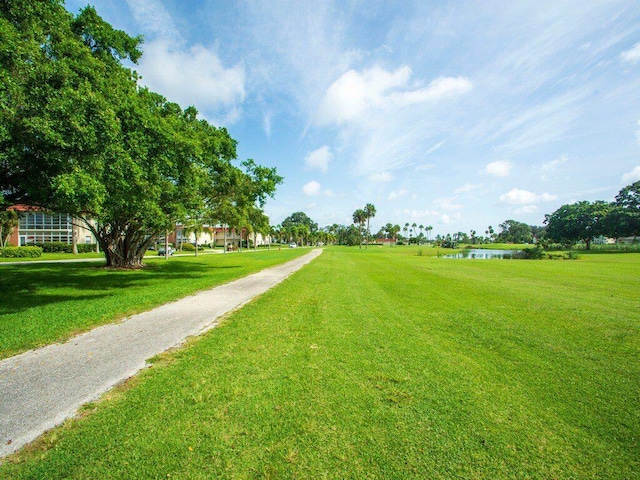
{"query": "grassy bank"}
[(45, 303), (386, 364)]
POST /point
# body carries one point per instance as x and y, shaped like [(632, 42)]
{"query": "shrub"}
[(61, 247), (571, 255), (55, 247), (20, 252), (534, 253), (188, 247)]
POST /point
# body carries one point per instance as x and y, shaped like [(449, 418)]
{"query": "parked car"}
[(161, 251), (292, 245)]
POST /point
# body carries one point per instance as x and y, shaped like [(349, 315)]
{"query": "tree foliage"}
[(78, 135), (512, 231), (581, 221), (624, 217)]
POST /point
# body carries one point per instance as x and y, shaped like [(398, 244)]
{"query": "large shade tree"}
[(581, 221), (78, 135)]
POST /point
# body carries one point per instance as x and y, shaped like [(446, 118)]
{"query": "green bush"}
[(54, 247), (20, 252), (188, 247), (571, 255), (534, 253), (61, 247)]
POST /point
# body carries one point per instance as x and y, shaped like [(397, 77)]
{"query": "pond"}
[(485, 253)]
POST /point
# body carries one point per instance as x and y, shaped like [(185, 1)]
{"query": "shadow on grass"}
[(36, 285)]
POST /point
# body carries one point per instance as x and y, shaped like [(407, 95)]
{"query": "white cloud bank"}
[(319, 159), (499, 168), (356, 95), (524, 197)]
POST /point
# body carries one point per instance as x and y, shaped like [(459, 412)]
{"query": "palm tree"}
[(359, 218), (489, 233), (421, 227), (370, 212), (413, 228), (406, 231), (394, 232), (196, 227)]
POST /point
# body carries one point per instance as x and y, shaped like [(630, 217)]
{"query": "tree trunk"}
[(74, 237), (367, 239)]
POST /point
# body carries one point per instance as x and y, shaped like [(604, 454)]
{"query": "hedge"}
[(20, 252), (60, 247)]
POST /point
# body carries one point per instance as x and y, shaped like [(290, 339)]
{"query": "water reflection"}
[(484, 253)]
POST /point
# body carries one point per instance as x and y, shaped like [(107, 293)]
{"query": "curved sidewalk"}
[(41, 388)]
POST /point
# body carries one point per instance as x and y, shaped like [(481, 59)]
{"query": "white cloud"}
[(312, 188), (632, 55), (381, 177), (499, 168), (187, 75), (526, 209), (467, 187), (632, 176), (319, 159), (355, 95), (194, 76), (524, 197), (395, 195)]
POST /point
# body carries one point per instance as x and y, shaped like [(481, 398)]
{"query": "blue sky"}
[(457, 115)]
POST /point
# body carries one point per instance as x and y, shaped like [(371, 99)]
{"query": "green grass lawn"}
[(42, 303), (381, 363)]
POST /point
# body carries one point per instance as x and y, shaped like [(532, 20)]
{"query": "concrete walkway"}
[(41, 388)]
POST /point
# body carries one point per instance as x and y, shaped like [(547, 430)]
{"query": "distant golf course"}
[(386, 362)]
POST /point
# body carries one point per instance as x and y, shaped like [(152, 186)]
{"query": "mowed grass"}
[(43, 303), (385, 364)]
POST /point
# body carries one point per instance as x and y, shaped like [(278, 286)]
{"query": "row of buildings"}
[(38, 226)]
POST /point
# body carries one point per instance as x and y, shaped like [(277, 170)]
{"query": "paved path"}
[(41, 388)]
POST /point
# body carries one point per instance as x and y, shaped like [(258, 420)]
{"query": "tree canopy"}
[(578, 221), (78, 135)]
